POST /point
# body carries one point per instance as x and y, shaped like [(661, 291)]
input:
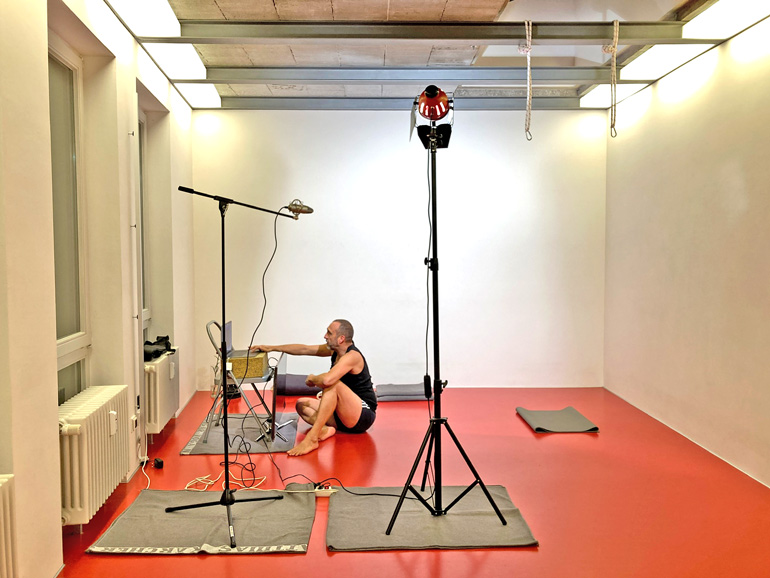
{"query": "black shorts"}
[(365, 421)]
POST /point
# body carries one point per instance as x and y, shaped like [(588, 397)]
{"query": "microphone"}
[(298, 208)]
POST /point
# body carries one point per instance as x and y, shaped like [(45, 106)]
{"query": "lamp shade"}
[(433, 103)]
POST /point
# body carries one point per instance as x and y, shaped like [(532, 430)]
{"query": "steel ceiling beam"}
[(405, 104), (475, 75), (446, 33)]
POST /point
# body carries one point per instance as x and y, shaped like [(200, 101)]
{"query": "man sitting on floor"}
[(347, 402)]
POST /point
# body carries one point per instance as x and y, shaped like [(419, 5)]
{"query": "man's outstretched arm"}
[(296, 349)]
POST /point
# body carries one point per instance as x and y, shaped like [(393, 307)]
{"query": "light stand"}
[(228, 495), (434, 107)]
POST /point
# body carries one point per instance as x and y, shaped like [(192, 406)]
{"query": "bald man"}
[(347, 402)]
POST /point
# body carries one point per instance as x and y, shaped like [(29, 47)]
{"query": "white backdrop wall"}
[(521, 240), (688, 228)]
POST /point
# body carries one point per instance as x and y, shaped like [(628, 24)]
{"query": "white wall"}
[(521, 240), (28, 395), (28, 360), (688, 231)]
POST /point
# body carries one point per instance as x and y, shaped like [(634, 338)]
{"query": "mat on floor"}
[(265, 527), (359, 522), (400, 392), (567, 420), (242, 428), (294, 384)]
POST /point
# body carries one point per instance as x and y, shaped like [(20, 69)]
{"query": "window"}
[(73, 339)]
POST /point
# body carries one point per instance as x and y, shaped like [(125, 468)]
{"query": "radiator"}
[(94, 447), (7, 530), (161, 391)]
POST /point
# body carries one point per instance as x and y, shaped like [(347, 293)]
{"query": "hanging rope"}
[(527, 49), (612, 50)]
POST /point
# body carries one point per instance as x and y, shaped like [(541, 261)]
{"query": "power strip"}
[(324, 492)]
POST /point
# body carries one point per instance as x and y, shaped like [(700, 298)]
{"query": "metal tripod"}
[(433, 140)]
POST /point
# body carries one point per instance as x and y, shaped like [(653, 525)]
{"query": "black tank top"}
[(361, 383)]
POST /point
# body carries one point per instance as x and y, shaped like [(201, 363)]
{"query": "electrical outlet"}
[(134, 422), (324, 492)]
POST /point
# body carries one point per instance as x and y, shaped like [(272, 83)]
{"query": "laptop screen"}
[(229, 336)]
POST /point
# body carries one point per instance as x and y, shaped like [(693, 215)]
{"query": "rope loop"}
[(526, 48), (612, 50)]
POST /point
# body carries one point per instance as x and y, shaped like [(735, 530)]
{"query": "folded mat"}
[(567, 420)]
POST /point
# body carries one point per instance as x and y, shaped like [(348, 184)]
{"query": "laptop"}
[(229, 343)]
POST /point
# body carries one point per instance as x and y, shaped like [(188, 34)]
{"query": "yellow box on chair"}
[(258, 364)]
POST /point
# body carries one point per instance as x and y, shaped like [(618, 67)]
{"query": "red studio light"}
[(433, 103)]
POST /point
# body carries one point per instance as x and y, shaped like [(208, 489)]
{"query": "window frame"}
[(76, 347), (143, 213)]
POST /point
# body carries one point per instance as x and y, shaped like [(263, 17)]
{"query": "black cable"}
[(264, 298), (250, 467), (365, 493)]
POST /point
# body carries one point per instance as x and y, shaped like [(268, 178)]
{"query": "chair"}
[(266, 425)]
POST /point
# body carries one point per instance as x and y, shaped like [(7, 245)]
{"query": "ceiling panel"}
[(557, 46)]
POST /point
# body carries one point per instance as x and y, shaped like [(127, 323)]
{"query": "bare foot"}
[(310, 444), (304, 447), (326, 432)]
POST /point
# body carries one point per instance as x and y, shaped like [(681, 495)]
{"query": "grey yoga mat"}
[(264, 527), (243, 433), (567, 420), (358, 522)]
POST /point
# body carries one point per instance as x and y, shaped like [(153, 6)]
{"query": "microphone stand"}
[(434, 139), (228, 495)]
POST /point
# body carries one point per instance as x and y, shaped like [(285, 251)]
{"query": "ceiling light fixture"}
[(200, 95), (178, 60), (601, 97), (147, 17), (726, 18), (661, 59)]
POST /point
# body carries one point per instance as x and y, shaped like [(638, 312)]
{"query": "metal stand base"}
[(431, 437)]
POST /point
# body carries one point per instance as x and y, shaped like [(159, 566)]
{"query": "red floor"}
[(636, 499)]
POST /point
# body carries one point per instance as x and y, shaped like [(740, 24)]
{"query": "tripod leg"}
[(409, 480), (270, 418), (475, 473), (427, 461), (262, 401)]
